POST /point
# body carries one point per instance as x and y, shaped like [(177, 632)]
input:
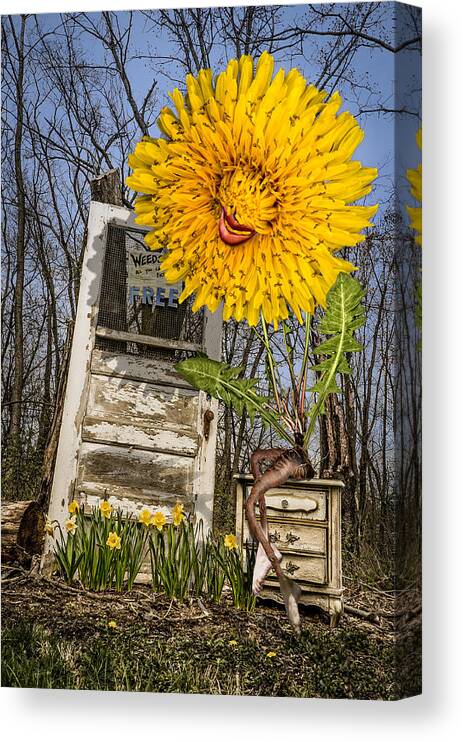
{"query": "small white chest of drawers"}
[(304, 523)]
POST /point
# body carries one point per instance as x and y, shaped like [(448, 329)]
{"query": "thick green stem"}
[(322, 395), (271, 363), (294, 385)]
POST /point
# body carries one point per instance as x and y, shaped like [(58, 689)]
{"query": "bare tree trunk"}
[(116, 49), (45, 415), (18, 376), (350, 463), (49, 456)]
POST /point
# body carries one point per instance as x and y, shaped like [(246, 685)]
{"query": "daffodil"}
[(251, 190), (415, 178), (230, 541), (232, 643), (145, 517), (70, 525), (177, 514), (113, 540), (112, 625), (106, 508), (49, 527), (158, 520), (73, 507), (271, 654)]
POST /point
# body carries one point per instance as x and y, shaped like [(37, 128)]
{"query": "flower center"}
[(249, 201)]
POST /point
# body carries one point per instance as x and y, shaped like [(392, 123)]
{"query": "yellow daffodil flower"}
[(112, 625), (230, 541), (145, 517), (73, 507), (251, 190), (71, 525), (177, 514), (106, 508), (113, 540), (158, 520), (271, 654), (232, 643)]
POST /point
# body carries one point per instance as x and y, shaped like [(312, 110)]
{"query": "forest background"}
[(79, 90)]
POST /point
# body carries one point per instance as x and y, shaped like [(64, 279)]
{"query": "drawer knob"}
[(284, 504)]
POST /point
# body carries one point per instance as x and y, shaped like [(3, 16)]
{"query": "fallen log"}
[(360, 613), (22, 529)]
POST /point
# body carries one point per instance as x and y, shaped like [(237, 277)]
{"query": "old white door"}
[(132, 429)]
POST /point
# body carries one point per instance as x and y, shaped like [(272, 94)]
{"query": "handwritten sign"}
[(145, 280)]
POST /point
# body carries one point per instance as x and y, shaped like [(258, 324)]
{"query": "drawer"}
[(288, 502), (303, 568), (293, 537)]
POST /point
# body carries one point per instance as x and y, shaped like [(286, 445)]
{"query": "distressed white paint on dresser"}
[(304, 523)]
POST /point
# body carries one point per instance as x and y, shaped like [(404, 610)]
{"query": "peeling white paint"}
[(141, 399), (159, 440), (126, 506)]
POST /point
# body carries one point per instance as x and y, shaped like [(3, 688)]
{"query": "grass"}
[(62, 640), (135, 660)]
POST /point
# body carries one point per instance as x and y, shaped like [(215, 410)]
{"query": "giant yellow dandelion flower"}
[(250, 192), (415, 178)]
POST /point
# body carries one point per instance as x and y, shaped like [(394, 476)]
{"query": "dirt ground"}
[(58, 636)]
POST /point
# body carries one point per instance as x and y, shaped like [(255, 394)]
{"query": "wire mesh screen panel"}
[(136, 299)]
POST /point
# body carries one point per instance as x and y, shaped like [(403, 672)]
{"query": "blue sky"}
[(389, 76)]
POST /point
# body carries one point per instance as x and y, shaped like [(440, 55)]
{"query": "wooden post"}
[(107, 188), (76, 391)]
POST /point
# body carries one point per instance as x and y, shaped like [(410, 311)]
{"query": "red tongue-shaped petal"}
[(231, 232), (234, 224)]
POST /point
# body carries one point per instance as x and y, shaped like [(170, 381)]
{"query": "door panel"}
[(133, 468), (150, 438), (119, 399), (132, 428), (158, 371)]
